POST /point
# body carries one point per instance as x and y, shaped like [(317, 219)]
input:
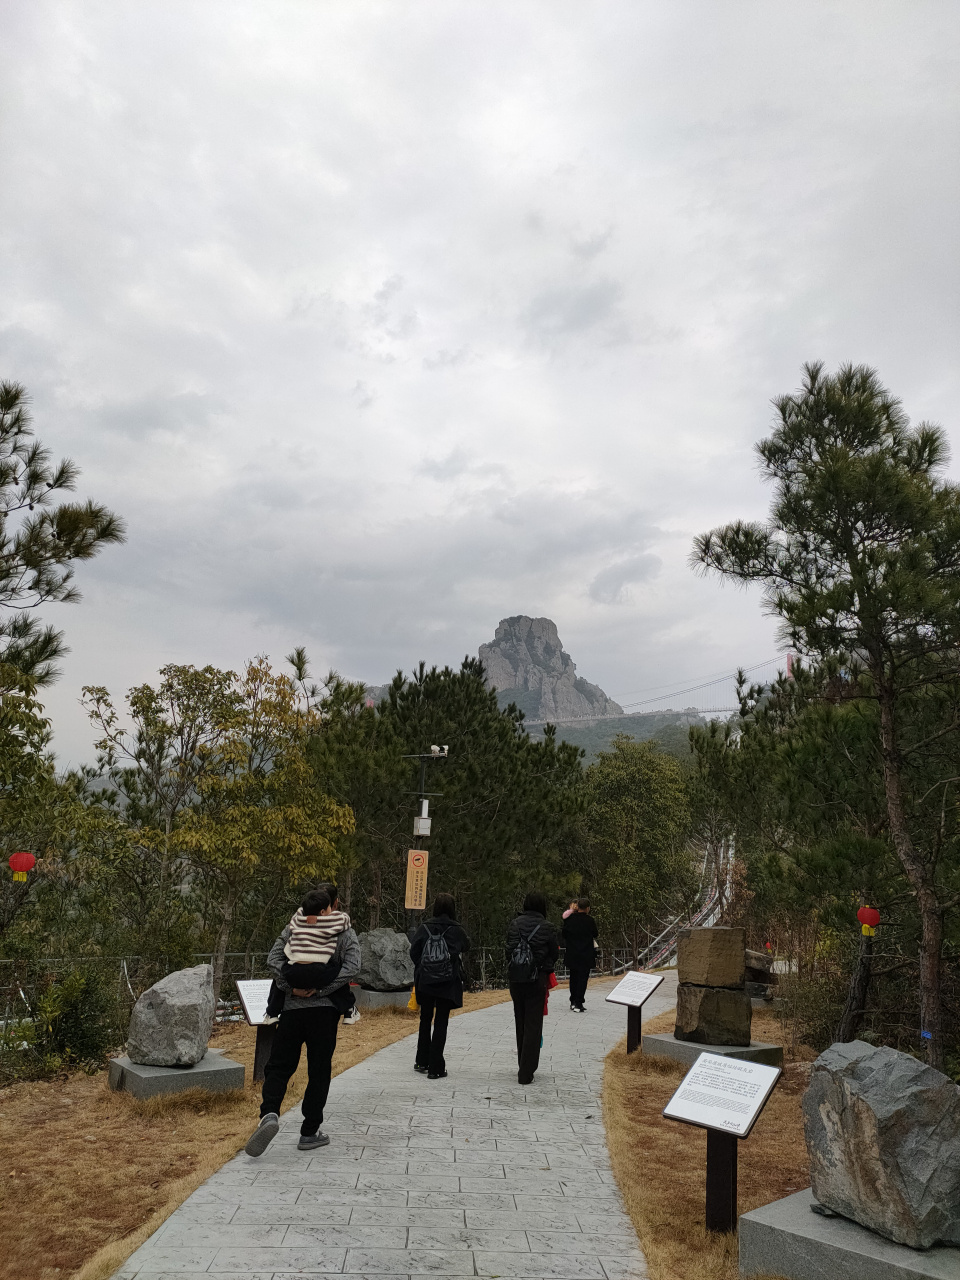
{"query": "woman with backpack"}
[(438, 981), (532, 951)]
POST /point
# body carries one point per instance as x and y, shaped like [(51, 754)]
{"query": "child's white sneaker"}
[(352, 1018)]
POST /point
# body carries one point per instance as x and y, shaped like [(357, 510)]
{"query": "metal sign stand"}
[(253, 995), (721, 1181), (634, 991), (633, 1028), (724, 1096), (261, 1052)]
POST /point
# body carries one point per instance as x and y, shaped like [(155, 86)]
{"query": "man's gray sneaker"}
[(263, 1135), (310, 1141)]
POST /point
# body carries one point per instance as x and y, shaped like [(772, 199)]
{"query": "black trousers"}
[(578, 984), (528, 1016), (317, 1029), (431, 1043)]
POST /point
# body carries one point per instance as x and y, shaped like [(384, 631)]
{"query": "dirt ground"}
[(660, 1164), (88, 1174)]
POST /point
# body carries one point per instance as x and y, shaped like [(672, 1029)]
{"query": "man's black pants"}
[(317, 1029), (430, 1046), (578, 985), (528, 1015)]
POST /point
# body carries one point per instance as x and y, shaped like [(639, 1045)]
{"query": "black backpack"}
[(523, 967), (436, 962)]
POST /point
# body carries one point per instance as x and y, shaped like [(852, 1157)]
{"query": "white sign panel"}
[(635, 988), (722, 1093), (254, 994)]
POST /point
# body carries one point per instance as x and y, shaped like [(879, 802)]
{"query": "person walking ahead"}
[(435, 951), (310, 1017), (532, 951), (579, 934)]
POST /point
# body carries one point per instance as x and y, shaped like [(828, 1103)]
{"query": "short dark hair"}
[(444, 905), (535, 902), (331, 890), (316, 901), (583, 904)]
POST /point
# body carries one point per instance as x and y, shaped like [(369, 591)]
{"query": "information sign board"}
[(635, 988), (254, 993), (416, 899), (725, 1094)]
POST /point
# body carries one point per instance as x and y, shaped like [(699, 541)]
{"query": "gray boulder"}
[(713, 1015), (883, 1136), (171, 1022), (385, 963)]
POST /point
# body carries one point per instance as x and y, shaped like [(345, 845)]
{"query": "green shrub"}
[(76, 1020)]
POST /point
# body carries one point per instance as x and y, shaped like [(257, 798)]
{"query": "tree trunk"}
[(856, 1006), (920, 876), (374, 898), (223, 941), (344, 887)]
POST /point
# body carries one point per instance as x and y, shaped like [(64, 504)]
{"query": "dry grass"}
[(88, 1174), (660, 1164)]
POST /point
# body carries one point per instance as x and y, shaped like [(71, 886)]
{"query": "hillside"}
[(668, 728)]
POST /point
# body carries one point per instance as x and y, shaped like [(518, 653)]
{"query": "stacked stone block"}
[(761, 981), (713, 1007)]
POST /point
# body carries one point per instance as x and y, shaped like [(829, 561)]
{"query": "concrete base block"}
[(666, 1045), (788, 1239), (381, 999), (213, 1071)]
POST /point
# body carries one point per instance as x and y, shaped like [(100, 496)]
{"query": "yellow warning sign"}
[(416, 899)]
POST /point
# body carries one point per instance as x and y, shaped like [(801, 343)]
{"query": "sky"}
[(380, 322)]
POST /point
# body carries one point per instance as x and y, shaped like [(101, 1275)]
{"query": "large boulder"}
[(883, 1136), (385, 963), (171, 1022), (711, 957), (713, 1015)]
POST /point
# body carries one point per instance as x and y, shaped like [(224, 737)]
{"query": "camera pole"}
[(421, 826)]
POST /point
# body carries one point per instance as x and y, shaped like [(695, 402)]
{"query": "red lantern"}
[(869, 918), (20, 864)]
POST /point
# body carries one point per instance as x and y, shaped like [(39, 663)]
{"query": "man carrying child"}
[(312, 961)]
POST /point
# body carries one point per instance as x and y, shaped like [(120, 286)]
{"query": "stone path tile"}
[(474, 1175)]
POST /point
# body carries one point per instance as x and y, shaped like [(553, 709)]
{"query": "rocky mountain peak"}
[(526, 664)]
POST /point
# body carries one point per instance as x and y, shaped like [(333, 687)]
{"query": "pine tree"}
[(860, 557), (38, 542)]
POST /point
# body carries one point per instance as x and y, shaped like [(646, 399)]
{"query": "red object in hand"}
[(20, 864), (869, 916)]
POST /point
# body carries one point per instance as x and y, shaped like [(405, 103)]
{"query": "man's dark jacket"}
[(457, 943), (543, 943), (579, 931)]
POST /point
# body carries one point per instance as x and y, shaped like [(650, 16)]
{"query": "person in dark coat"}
[(437, 992), (579, 934), (528, 997)]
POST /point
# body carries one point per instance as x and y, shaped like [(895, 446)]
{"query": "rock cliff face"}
[(526, 664)]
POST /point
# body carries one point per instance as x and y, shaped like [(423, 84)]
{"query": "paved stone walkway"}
[(473, 1175)]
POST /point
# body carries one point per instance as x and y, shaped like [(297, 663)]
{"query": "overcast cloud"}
[(381, 321)]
